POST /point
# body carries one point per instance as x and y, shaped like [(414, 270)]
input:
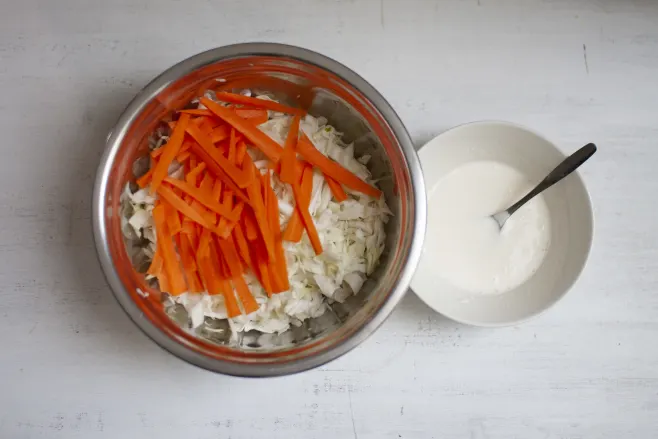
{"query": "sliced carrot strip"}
[(336, 189), (227, 202), (163, 281), (243, 246), (230, 254), (171, 149), (303, 204), (254, 115), (232, 146), (203, 196), (189, 264), (217, 191), (334, 169), (261, 262), (157, 263), (145, 179), (192, 177), (174, 225), (279, 266), (203, 249), (186, 209), (250, 225), (289, 156), (219, 133), (295, 227), (261, 140), (207, 184), (183, 156), (188, 227), (236, 174), (207, 275), (196, 112), (248, 302), (219, 172), (219, 261), (241, 151), (255, 102), (166, 245), (258, 207)]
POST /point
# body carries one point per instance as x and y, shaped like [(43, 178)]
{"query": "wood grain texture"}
[(73, 366)]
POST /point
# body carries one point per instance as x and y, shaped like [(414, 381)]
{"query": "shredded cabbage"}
[(352, 235)]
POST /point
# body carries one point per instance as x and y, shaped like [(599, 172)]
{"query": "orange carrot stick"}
[(258, 207), (248, 302), (194, 161), (241, 151), (203, 196), (166, 245), (336, 189), (279, 268), (183, 156), (174, 225), (157, 263), (250, 225), (289, 155), (334, 169), (232, 146), (219, 133), (171, 149), (243, 246), (254, 115), (197, 112), (189, 264), (219, 172), (261, 140), (145, 179), (186, 209), (261, 262), (219, 261), (303, 204), (236, 174), (255, 102), (295, 227), (192, 177)]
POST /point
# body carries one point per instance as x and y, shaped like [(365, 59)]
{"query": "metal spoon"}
[(562, 170)]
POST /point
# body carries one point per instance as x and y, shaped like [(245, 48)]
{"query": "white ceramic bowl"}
[(570, 218)]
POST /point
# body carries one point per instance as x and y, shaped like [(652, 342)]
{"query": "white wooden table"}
[(73, 366)]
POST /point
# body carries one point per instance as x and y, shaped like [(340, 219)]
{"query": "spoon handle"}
[(565, 168)]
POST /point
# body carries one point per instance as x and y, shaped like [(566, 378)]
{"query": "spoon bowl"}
[(569, 210), (565, 168)]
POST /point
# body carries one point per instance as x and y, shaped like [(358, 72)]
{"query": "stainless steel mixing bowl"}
[(326, 88)]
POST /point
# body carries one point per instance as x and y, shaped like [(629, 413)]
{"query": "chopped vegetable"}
[(302, 207), (171, 148), (222, 260), (295, 227), (288, 172), (204, 197), (261, 140), (258, 103), (336, 189), (166, 245), (254, 115), (334, 169), (236, 174)]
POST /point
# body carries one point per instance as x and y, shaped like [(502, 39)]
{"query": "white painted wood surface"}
[(73, 366)]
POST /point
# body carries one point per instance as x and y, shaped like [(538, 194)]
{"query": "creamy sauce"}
[(467, 246)]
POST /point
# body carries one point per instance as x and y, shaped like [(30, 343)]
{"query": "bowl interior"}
[(570, 218), (296, 82)]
